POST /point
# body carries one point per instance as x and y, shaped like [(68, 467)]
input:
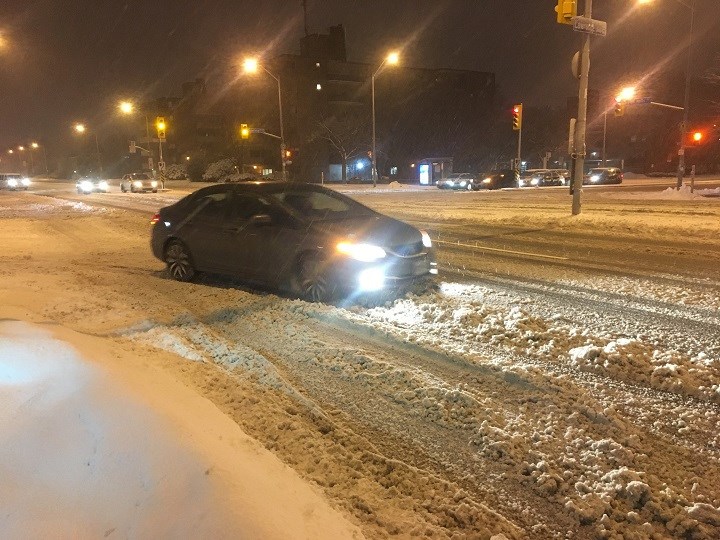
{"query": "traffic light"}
[(244, 131), (619, 108), (160, 125), (697, 137), (517, 117), (566, 10)]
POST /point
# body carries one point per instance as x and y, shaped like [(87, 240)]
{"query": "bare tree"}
[(347, 136)]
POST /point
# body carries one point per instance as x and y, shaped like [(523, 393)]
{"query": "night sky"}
[(62, 61)]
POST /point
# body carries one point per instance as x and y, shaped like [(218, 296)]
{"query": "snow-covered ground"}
[(526, 397)]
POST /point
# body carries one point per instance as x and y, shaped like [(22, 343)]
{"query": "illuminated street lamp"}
[(690, 4), (626, 94), (252, 66), (81, 129), (393, 58), (126, 107), (35, 146)]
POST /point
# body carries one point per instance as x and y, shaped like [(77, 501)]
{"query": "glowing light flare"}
[(697, 136), (35, 145), (626, 94), (250, 65), (393, 58), (126, 107), (80, 128)]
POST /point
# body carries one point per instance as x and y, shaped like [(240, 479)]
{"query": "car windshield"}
[(321, 205)]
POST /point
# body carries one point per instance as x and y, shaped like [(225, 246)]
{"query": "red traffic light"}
[(697, 136)]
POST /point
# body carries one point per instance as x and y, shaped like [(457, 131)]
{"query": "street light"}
[(690, 4), (393, 58), (126, 107), (251, 66), (35, 146), (81, 129)]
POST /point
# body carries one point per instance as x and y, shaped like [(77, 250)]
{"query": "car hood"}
[(378, 230)]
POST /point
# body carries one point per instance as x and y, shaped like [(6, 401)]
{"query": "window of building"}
[(318, 87)]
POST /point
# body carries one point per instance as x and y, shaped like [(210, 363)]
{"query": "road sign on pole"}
[(590, 26), (161, 165)]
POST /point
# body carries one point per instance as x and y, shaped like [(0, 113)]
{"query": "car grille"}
[(407, 250)]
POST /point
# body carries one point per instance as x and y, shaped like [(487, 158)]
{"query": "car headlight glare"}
[(86, 185), (487, 180), (595, 178), (426, 239), (463, 182), (534, 181), (153, 184), (26, 182), (12, 182), (103, 185), (137, 183), (361, 252)]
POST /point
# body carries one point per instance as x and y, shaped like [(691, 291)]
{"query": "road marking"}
[(485, 248)]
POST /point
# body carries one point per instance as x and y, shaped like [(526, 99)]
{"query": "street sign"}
[(161, 165), (643, 100), (257, 130), (590, 26)]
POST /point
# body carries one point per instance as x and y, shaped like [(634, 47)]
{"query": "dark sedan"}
[(604, 175), (498, 180), (303, 238)]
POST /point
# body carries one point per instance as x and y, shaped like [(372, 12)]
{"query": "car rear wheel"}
[(179, 263), (311, 282)]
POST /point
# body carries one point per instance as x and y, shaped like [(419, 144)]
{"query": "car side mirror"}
[(259, 220)]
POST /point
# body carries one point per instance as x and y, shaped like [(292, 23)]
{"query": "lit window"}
[(317, 64), (318, 87)]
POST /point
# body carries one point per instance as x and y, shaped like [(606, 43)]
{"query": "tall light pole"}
[(690, 4), (81, 129), (32, 165), (251, 65), (392, 59), (35, 146)]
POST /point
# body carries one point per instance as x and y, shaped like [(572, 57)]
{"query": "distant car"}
[(304, 238), (138, 183), (90, 184), (497, 180), (458, 181), (604, 175), (14, 181), (531, 177)]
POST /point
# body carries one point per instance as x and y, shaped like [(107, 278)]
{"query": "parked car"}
[(91, 184), (498, 180), (14, 181), (458, 181), (604, 175), (138, 183), (304, 238)]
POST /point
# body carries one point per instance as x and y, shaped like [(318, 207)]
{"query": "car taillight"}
[(155, 219)]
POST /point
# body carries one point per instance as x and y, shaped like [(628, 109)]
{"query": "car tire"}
[(311, 282), (154, 190), (179, 262), (122, 188)]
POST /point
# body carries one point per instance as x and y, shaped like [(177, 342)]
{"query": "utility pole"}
[(686, 111), (604, 156), (581, 125)]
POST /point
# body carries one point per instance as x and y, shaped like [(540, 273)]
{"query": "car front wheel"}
[(179, 263), (311, 280)]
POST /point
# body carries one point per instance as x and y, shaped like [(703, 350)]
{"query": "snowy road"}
[(563, 382)]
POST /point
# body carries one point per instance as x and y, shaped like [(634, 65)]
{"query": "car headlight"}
[(521, 183), (487, 180), (25, 182), (426, 239), (153, 184), (86, 185), (361, 252), (463, 182), (12, 182), (137, 183), (534, 181), (103, 185), (595, 178)]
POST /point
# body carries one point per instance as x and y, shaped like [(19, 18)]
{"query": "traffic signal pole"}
[(518, 163), (581, 125)]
